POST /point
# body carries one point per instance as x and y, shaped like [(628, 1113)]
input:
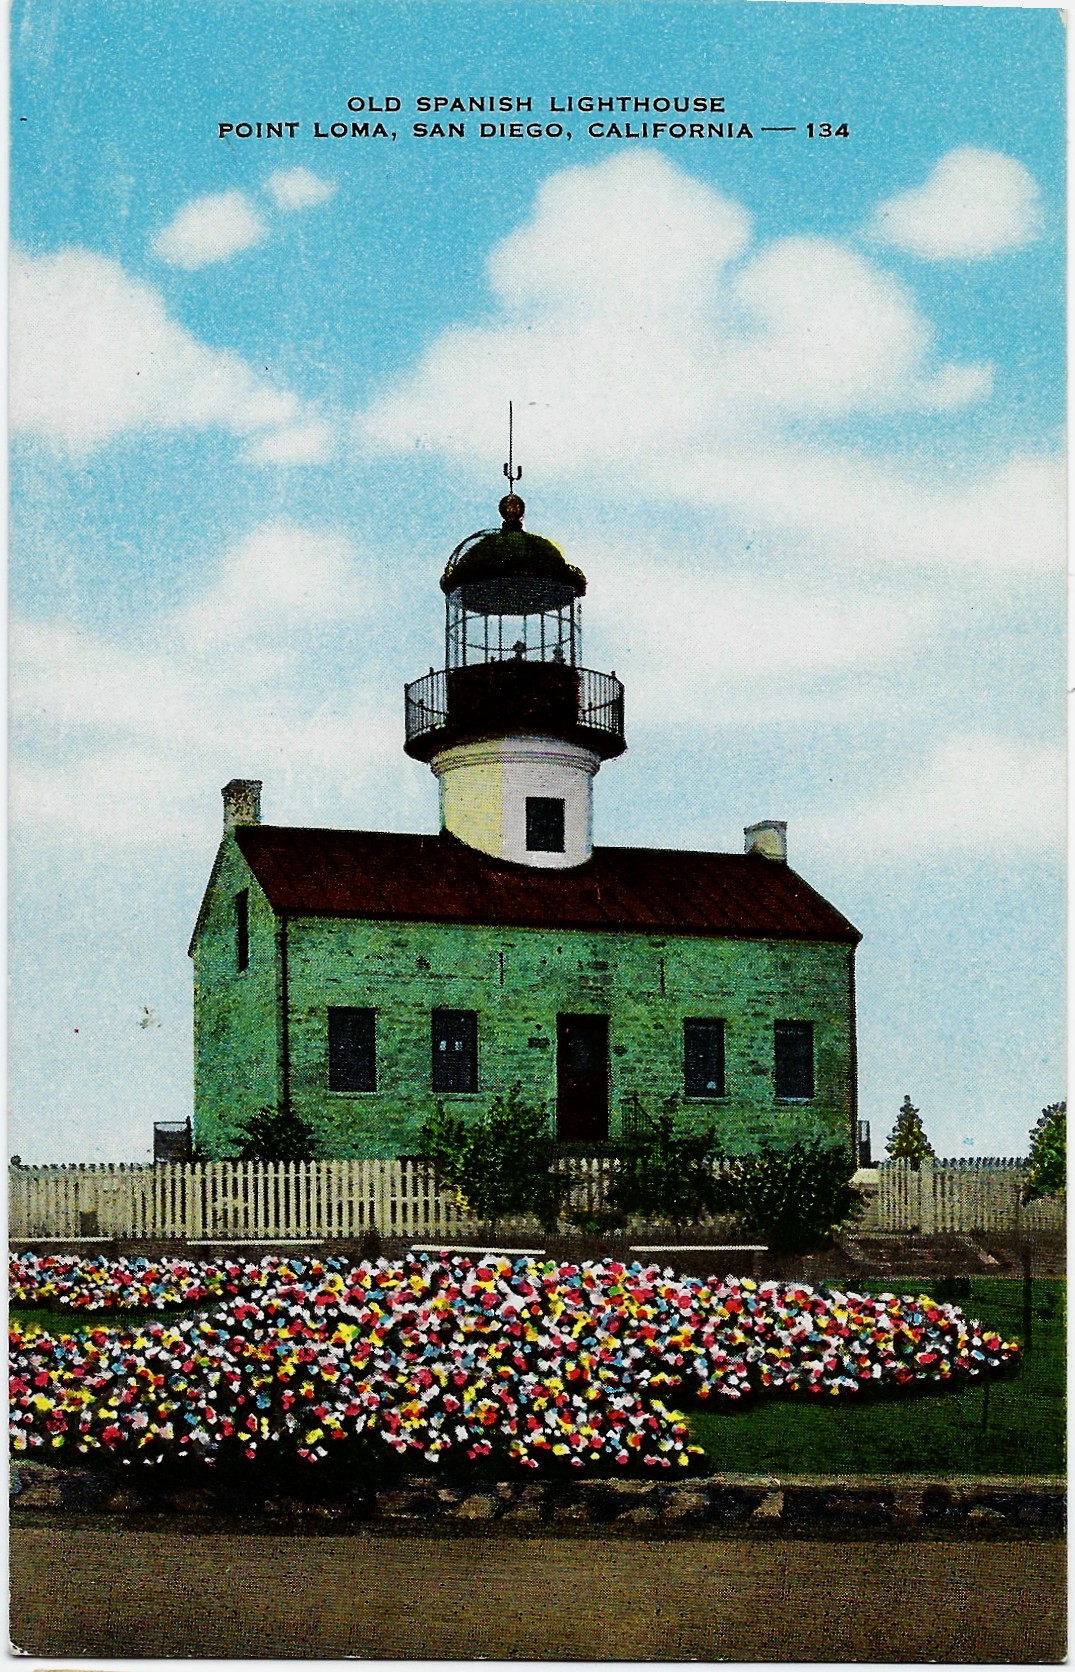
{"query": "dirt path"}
[(113, 1592)]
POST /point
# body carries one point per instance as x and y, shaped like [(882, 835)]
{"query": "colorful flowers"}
[(447, 1357)]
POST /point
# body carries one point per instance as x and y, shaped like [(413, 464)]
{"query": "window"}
[(793, 1060), (703, 1057), (455, 1050), (242, 929), (352, 1049), (545, 824)]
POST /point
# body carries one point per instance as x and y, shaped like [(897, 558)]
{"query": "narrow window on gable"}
[(242, 929), (703, 1057), (455, 1050), (545, 824), (352, 1049), (793, 1060)]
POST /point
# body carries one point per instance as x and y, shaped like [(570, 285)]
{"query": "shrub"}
[(907, 1140), (499, 1164), (793, 1198), (665, 1172), (279, 1134), (1046, 1172)]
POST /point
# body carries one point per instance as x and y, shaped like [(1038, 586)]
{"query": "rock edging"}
[(760, 1502)]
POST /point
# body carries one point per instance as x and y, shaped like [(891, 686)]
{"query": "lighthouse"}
[(356, 977), (514, 727)]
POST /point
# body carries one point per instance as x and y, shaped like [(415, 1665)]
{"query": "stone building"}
[(357, 976)]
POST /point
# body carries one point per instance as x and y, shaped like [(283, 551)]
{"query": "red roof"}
[(438, 879)]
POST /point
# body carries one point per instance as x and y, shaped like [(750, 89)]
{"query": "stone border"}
[(748, 1501)]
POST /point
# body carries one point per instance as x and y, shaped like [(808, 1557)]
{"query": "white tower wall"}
[(484, 788)]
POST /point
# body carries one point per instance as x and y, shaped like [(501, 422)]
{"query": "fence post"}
[(927, 1197)]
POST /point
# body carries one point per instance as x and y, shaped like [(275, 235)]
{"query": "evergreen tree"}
[(907, 1141), (1046, 1173)]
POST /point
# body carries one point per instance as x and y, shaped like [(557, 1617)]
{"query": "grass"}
[(71, 1321), (943, 1433)]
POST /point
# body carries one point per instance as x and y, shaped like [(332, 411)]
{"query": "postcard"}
[(536, 620)]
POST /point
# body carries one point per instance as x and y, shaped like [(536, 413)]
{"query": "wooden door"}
[(582, 1078)]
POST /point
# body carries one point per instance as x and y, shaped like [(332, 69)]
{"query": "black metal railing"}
[(599, 704), (601, 701), (426, 701)]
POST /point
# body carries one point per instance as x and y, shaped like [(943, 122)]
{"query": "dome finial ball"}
[(511, 508)]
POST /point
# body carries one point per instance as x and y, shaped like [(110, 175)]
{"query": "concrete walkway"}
[(101, 1589)]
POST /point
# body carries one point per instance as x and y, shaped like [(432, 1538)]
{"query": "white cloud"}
[(298, 444), (635, 325), (835, 336), (298, 188), (978, 796), (210, 228), (853, 510), (94, 354), (709, 643), (280, 577), (116, 742), (975, 203)]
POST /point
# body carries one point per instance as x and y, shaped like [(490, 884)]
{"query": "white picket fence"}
[(940, 1197), (323, 1200)]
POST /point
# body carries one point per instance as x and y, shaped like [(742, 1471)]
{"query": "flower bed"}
[(449, 1359)]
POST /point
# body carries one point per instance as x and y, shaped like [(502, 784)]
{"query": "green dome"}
[(494, 568)]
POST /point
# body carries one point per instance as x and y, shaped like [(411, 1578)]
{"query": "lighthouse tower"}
[(513, 726)]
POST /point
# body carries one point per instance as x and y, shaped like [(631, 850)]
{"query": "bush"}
[(278, 1134), (666, 1172), (499, 1164), (792, 1198), (1046, 1173)]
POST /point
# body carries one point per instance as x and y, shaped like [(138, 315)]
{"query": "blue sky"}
[(794, 405)]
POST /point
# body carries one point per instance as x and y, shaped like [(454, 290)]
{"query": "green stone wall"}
[(236, 1014), (517, 980)]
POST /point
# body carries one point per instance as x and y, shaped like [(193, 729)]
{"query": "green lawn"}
[(934, 1433), (69, 1321)]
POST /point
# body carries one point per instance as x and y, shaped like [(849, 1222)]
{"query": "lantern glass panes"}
[(518, 618)]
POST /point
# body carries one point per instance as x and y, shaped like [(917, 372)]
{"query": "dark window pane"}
[(793, 1059), (455, 1050), (703, 1057), (352, 1051), (544, 824), (242, 929)]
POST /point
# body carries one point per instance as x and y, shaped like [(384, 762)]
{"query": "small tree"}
[(1046, 1173), (794, 1197), (907, 1141), (499, 1164), (665, 1172), (279, 1134)]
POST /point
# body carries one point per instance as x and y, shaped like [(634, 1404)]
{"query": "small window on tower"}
[(455, 1050), (242, 929), (545, 824), (703, 1057), (352, 1049)]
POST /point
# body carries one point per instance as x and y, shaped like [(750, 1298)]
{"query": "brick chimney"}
[(768, 837), (242, 802)]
